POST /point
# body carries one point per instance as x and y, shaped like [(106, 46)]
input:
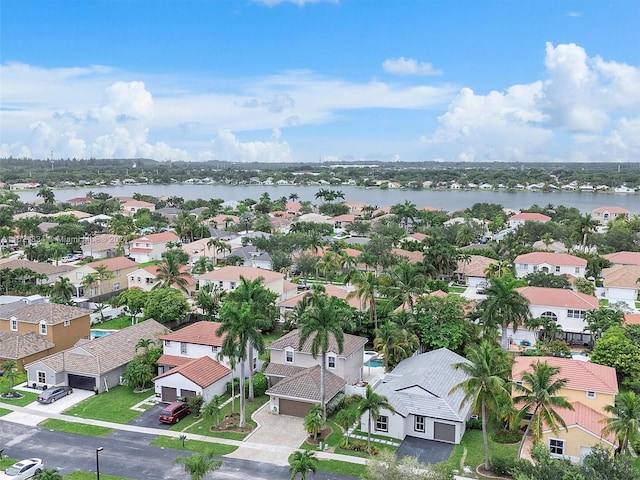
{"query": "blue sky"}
[(345, 80)]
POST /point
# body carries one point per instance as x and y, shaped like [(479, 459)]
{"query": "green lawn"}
[(27, 398), (112, 406), (202, 428), (472, 441), (345, 468), (117, 323), (4, 411), (193, 445), (456, 289), (78, 428)]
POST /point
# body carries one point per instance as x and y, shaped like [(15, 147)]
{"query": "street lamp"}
[(98, 450)]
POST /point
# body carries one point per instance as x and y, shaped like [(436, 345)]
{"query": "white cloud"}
[(409, 66), (227, 146), (574, 14), (300, 3)]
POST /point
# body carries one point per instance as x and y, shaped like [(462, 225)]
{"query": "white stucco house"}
[(201, 376), (621, 284), (419, 389), (229, 277), (150, 247), (549, 262)]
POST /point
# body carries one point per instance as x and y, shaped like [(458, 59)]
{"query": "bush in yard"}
[(335, 403), (506, 436), (260, 385), (503, 465), (474, 424), (351, 400), (236, 386), (358, 446), (195, 404)]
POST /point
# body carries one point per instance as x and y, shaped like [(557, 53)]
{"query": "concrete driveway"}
[(32, 418), (274, 440), (427, 451)]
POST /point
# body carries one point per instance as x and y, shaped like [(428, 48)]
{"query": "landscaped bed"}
[(112, 406), (25, 399), (473, 445)]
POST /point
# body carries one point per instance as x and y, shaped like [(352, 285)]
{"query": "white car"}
[(23, 469)]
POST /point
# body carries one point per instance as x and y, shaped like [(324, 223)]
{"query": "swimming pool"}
[(373, 362), (97, 333)]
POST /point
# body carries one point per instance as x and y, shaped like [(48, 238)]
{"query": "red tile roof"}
[(233, 274), (160, 237), (202, 371), (530, 217), (113, 264), (200, 333), (632, 319), (624, 258), (582, 376), (617, 210), (622, 276), (536, 258), (173, 360), (585, 417), (559, 297)]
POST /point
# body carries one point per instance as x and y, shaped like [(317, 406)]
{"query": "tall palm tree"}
[(346, 417), (487, 367), (371, 404), (405, 212), (583, 227), (10, 368), (625, 420), (202, 265), (218, 246), (302, 462), (367, 284), (63, 288), (504, 306), (170, 273), (197, 465), (313, 421), (402, 283), (323, 322), (540, 397), (394, 344)]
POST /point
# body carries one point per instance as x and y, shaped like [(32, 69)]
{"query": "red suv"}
[(173, 412)]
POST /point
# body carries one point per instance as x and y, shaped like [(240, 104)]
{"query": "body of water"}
[(373, 362), (97, 333), (447, 200)]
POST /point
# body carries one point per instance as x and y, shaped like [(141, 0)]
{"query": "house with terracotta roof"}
[(623, 258), (100, 362), (604, 215), (549, 262), (229, 277), (290, 303), (131, 207), (146, 279), (408, 255), (343, 221), (200, 376), (472, 271), (101, 246), (294, 374), (191, 343), (566, 307), (589, 389), (519, 218), (621, 284), (151, 247), (420, 391)]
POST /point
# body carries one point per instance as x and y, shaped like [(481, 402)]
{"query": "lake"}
[(448, 200)]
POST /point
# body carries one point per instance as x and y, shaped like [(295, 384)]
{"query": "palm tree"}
[(625, 420), (402, 283), (540, 397), (202, 265), (487, 368), (504, 306), (11, 373), (322, 323), (88, 282), (366, 284), (346, 417), (584, 226), (218, 246), (198, 465), (170, 273), (371, 404), (405, 212), (103, 274), (211, 410), (294, 197), (301, 462), (63, 288), (313, 421), (394, 344), (145, 345)]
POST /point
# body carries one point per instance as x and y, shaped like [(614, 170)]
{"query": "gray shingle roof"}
[(101, 355), (305, 385), (282, 370), (14, 345), (52, 313), (352, 343), (421, 385)]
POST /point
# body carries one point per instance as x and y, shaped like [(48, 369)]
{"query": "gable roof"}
[(51, 313), (530, 217), (202, 371), (616, 210), (622, 276), (351, 344), (38, 267), (305, 385), (624, 258), (536, 258), (160, 237), (475, 267), (14, 345), (114, 263), (559, 297), (582, 376), (422, 385), (586, 418), (199, 333), (233, 274), (331, 291), (103, 354)]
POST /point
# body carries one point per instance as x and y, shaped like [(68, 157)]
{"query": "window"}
[(232, 285), (591, 394), (183, 348), (418, 424), (117, 273), (556, 447), (67, 323), (149, 281), (575, 314), (525, 266), (577, 270), (116, 286), (167, 343), (331, 361), (133, 279), (221, 284), (535, 268), (382, 423), (43, 327), (557, 268), (550, 316), (14, 324), (288, 356), (139, 279), (42, 376)]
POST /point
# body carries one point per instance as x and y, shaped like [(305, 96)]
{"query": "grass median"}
[(164, 441), (77, 428)]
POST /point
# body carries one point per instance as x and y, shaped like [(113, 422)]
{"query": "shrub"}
[(503, 465), (474, 424), (236, 386), (260, 384), (506, 436), (335, 403), (351, 400), (358, 446), (195, 404)]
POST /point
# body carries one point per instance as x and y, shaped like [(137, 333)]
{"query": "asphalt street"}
[(125, 454)]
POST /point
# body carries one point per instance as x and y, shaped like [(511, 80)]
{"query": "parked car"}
[(52, 394), (23, 469), (173, 412)]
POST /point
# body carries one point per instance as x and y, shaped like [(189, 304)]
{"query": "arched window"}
[(550, 316)]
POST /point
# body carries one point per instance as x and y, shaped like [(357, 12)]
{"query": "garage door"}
[(444, 432), (188, 393), (169, 394), (81, 382), (294, 408)]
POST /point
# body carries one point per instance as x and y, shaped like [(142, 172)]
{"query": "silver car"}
[(52, 394)]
